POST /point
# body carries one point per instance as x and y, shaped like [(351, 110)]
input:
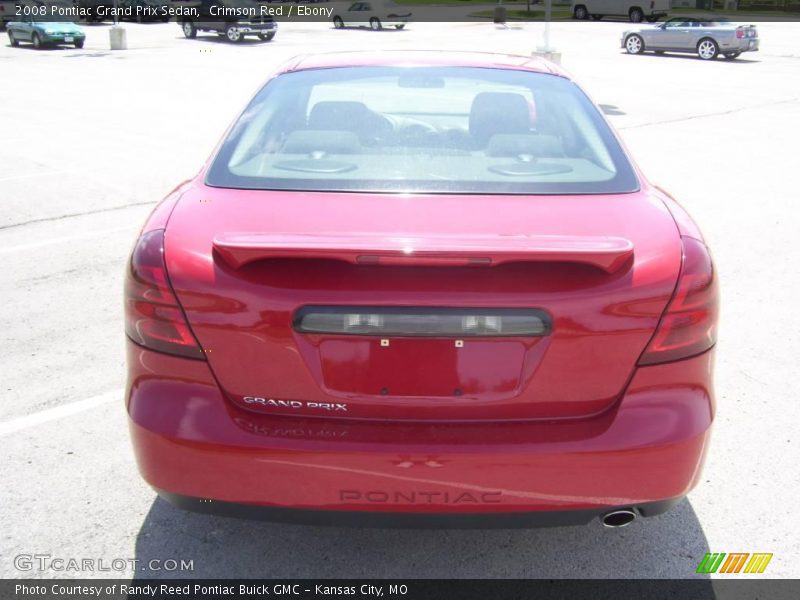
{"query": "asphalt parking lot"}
[(90, 139)]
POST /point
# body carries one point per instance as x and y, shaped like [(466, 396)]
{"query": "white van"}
[(635, 10)]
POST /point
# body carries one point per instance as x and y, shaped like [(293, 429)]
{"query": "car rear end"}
[(314, 345), (61, 33), (745, 39)]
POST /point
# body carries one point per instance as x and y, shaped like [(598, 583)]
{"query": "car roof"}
[(432, 58)]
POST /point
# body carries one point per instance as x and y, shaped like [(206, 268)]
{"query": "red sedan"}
[(421, 289)]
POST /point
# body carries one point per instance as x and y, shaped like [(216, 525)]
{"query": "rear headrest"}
[(306, 141), (336, 115), (498, 112), (538, 145)]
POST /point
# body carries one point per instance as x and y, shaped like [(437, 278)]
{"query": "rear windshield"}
[(422, 129)]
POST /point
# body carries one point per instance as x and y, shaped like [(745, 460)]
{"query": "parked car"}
[(424, 288), (635, 10), (220, 17), (705, 37), (44, 33), (375, 14)]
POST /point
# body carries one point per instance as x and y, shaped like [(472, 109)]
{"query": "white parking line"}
[(59, 412), (61, 240)]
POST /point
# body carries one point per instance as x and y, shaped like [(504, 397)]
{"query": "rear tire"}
[(12, 40), (707, 49), (634, 44), (189, 30), (266, 37), (79, 44), (732, 55), (338, 23), (580, 13), (37, 41), (375, 24), (636, 15)]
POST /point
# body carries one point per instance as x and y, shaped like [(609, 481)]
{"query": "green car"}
[(44, 33)]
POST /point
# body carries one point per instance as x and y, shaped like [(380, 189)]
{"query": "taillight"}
[(689, 325), (740, 33), (153, 317)]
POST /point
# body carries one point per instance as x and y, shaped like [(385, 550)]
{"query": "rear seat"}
[(355, 117)]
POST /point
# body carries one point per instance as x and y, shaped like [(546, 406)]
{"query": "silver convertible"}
[(708, 39)]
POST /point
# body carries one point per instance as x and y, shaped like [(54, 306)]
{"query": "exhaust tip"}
[(618, 518)]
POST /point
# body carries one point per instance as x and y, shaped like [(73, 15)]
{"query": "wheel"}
[(233, 34), (12, 40), (37, 41), (707, 49), (634, 44), (400, 26), (265, 37), (189, 30), (79, 43), (580, 13), (375, 23), (636, 15), (732, 55), (338, 23), (596, 17)]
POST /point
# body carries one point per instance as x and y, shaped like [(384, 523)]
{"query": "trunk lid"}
[(598, 270)]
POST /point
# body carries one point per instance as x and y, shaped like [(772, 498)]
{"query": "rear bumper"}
[(256, 28), (741, 45), (191, 445), (61, 38), (407, 520)]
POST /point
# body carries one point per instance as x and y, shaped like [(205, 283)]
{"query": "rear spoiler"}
[(435, 250)]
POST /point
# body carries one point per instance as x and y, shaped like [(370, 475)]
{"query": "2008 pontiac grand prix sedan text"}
[(421, 289)]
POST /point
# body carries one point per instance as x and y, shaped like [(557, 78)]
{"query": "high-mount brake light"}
[(153, 317)]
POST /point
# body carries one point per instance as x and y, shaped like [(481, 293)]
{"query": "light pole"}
[(546, 51)]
